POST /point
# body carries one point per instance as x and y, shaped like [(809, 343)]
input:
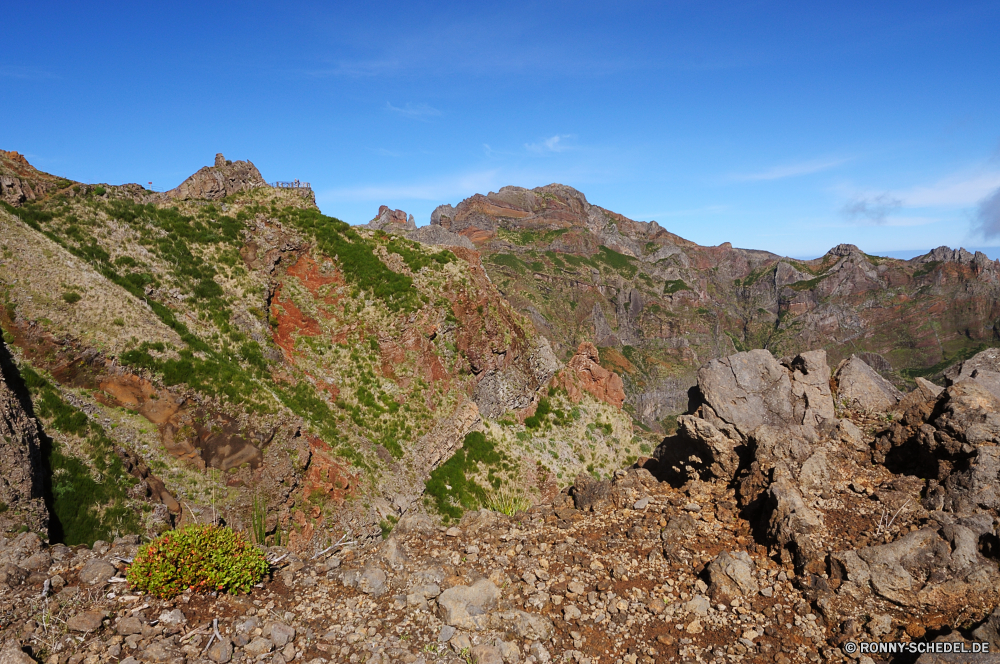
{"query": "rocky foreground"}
[(790, 515)]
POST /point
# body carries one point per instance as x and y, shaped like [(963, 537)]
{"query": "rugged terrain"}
[(192, 352), (774, 527), (451, 439), (659, 306)]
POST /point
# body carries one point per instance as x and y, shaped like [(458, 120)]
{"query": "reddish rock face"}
[(584, 372)]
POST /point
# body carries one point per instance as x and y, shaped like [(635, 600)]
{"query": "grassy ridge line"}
[(238, 373)]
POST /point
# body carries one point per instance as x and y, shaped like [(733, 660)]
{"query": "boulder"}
[(529, 626), (12, 654), (220, 651), (584, 373), (859, 387), (87, 621), (96, 572), (730, 576), (466, 607)]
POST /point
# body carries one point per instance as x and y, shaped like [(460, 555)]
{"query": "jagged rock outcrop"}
[(984, 368), (514, 385), (948, 255), (860, 387), (20, 182), (218, 181), (22, 502), (397, 221), (584, 373), (392, 220)]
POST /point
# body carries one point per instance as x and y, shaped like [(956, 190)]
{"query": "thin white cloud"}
[(552, 144), (955, 191), (791, 170), (440, 189), (414, 111), (25, 73)]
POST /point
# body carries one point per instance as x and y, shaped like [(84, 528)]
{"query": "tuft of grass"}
[(71, 297), (507, 500)]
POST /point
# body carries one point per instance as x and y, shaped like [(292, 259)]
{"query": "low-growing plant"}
[(507, 501), (70, 297), (202, 558)]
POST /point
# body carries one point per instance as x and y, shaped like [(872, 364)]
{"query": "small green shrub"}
[(202, 558), (70, 297)]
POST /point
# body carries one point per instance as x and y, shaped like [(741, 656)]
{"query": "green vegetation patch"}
[(451, 489), (202, 558), (674, 286), (357, 257), (807, 284), (88, 503), (619, 262), (511, 261)]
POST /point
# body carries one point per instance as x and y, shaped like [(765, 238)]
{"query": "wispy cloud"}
[(414, 111), (987, 216), (961, 190), (440, 189), (790, 170), (553, 144), (871, 209), (25, 73)]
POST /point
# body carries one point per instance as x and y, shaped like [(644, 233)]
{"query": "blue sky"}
[(790, 127)]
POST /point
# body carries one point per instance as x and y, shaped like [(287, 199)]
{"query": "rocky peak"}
[(218, 181), (945, 254), (387, 219), (21, 182), (845, 250)]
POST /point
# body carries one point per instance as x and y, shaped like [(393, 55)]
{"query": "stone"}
[(641, 504), (12, 654), (539, 652), (861, 388), (447, 631), (466, 606), (129, 625), (87, 621), (159, 651), (259, 646), (281, 634), (453, 532), (698, 605), (96, 572), (571, 612), (174, 617), (486, 654), (372, 581), (460, 643), (525, 625), (731, 576), (220, 651)]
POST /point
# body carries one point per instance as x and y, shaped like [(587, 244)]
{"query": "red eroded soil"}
[(291, 323)]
